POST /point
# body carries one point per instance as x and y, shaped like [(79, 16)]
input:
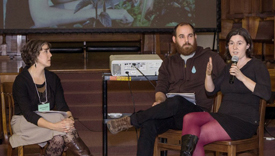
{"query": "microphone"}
[(234, 61)]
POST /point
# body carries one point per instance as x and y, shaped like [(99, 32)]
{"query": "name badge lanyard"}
[(45, 91)]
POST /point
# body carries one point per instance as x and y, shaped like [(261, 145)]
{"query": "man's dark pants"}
[(158, 119)]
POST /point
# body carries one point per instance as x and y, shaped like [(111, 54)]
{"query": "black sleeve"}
[(22, 99), (217, 82), (263, 84), (163, 78), (60, 102)]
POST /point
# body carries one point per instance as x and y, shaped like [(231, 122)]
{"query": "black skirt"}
[(236, 128)]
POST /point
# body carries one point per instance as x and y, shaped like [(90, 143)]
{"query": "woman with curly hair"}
[(37, 91)]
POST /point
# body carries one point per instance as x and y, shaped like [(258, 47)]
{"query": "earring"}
[(35, 65)]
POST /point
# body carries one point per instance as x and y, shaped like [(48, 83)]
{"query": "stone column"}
[(19, 44), (4, 46)]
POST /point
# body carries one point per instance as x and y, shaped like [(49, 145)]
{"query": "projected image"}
[(82, 14)]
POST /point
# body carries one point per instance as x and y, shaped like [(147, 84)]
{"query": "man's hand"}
[(156, 103), (209, 67), (159, 97)]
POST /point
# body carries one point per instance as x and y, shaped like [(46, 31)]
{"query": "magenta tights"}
[(203, 125)]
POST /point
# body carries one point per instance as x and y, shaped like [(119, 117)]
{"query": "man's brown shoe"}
[(118, 125)]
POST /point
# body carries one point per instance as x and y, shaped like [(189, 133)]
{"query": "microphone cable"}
[(134, 65), (129, 86), (133, 99)]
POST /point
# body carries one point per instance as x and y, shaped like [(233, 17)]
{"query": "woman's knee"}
[(52, 117), (189, 117), (56, 146), (58, 139), (198, 116)]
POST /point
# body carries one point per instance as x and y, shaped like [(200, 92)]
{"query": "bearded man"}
[(183, 72)]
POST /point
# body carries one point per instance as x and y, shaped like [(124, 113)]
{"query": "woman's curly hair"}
[(31, 50)]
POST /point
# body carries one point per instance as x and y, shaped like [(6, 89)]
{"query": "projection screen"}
[(77, 16)]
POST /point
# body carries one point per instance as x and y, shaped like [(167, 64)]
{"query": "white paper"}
[(188, 96)]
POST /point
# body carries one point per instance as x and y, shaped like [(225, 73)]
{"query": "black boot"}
[(188, 144), (75, 144), (78, 147)]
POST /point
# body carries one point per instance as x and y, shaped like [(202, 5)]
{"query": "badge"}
[(44, 107)]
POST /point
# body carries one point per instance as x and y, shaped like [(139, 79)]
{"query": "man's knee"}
[(174, 102), (149, 129), (149, 125), (178, 100), (155, 127)]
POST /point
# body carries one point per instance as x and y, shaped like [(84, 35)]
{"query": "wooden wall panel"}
[(263, 50), (227, 25), (225, 8), (265, 30), (166, 44), (267, 5), (240, 6), (252, 25), (256, 6), (149, 43), (257, 49), (222, 49), (269, 49)]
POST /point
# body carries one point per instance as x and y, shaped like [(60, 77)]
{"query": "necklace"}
[(45, 91), (38, 92)]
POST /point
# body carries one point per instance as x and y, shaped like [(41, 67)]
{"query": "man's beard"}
[(186, 50)]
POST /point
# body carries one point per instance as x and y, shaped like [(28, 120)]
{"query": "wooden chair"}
[(7, 113), (230, 147)]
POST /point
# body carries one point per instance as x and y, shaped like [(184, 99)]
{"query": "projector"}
[(135, 65)]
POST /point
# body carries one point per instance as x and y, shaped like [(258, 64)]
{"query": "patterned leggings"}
[(56, 145)]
